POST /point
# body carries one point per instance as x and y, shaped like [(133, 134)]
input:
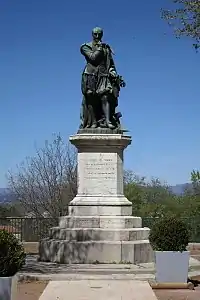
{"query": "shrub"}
[(169, 234), (12, 256)]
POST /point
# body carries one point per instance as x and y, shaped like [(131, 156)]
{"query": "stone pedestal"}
[(100, 226), (100, 175)]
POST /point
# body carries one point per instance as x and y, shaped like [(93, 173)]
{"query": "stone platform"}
[(86, 289), (100, 226), (100, 239), (37, 270)]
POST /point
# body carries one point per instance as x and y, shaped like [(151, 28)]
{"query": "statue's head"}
[(97, 34)]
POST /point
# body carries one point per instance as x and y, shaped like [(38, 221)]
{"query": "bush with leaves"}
[(169, 234), (12, 255)]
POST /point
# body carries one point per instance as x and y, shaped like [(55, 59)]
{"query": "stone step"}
[(99, 234), (118, 222), (28, 276), (34, 266), (84, 252)]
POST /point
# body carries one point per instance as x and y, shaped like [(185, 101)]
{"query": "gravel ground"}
[(30, 290), (178, 294)]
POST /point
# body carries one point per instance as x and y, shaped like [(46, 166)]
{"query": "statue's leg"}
[(99, 112), (81, 116), (88, 89), (83, 113), (106, 110), (92, 122), (112, 108)]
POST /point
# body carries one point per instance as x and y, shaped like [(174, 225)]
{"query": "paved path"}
[(98, 290)]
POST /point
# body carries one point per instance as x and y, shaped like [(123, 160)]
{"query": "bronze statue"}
[(100, 85)]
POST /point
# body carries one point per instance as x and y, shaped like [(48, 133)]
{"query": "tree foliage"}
[(185, 19), (154, 200), (46, 182), (150, 199)]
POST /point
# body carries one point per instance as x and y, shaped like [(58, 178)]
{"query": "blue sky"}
[(40, 77)]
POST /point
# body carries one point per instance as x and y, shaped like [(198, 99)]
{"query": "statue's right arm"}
[(91, 55)]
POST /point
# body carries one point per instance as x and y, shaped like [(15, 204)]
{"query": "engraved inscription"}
[(102, 169)]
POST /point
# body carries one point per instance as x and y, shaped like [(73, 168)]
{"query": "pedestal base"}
[(100, 206), (97, 239), (99, 227), (88, 252)]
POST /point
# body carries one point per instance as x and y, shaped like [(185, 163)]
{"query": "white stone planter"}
[(8, 288), (172, 266)]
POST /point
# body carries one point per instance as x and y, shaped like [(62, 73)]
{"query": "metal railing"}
[(35, 229), (28, 229)]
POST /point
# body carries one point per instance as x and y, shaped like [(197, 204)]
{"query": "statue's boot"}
[(94, 125), (110, 125)]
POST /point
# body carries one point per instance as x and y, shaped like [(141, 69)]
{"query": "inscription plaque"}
[(100, 170), (99, 173)]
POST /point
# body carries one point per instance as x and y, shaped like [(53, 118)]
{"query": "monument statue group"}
[(100, 226), (100, 85)]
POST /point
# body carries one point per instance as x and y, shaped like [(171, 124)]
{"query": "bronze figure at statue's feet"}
[(100, 85)]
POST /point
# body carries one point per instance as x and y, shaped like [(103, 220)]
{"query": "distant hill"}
[(6, 196), (3, 190), (179, 189)]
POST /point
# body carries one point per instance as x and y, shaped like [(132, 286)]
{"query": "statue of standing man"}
[(100, 85)]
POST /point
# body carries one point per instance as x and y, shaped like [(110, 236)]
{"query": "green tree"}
[(150, 199), (134, 191), (191, 198), (185, 19), (195, 178)]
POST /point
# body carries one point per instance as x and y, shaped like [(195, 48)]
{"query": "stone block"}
[(98, 290), (100, 164), (120, 222), (99, 234), (136, 252), (105, 251), (100, 210), (79, 222), (86, 252), (99, 173), (139, 234), (87, 205)]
